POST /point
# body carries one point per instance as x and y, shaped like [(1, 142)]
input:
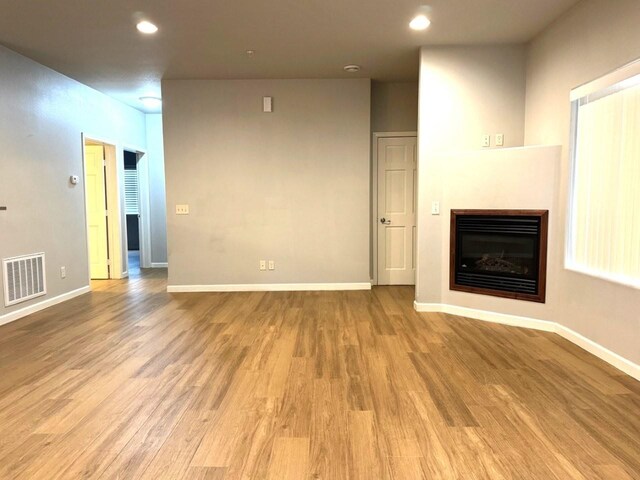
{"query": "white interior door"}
[(396, 210), (96, 211)]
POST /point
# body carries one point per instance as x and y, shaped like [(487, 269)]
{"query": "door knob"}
[(384, 221)]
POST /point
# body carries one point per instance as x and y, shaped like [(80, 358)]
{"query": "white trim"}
[(619, 75), (603, 353), (607, 277), (269, 287), (485, 316), (374, 194), (36, 307), (159, 265), (612, 358), (144, 215)]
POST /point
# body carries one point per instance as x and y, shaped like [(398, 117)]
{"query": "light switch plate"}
[(267, 104), (272, 265), (499, 139), (263, 265), (182, 209), (435, 208)]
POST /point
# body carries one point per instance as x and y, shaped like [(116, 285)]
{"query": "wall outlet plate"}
[(486, 140), (263, 265), (182, 209), (499, 139), (435, 208), (272, 265)]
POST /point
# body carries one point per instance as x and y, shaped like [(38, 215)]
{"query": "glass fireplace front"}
[(498, 254)]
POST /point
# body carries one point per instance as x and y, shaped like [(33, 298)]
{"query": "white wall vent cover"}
[(24, 278)]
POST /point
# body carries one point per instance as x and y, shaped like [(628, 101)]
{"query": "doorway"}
[(106, 206), (394, 208), (102, 210), (97, 210), (132, 210)]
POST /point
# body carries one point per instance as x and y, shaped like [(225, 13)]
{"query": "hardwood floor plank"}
[(130, 382), (290, 458), (365, 459)]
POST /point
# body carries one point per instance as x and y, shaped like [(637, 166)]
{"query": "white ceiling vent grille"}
[(24, 278)]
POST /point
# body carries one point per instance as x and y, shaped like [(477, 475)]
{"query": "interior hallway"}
[(132, 382)]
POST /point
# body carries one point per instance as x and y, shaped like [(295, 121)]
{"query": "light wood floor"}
[(131, 382)]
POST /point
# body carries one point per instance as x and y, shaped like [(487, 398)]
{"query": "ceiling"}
[(96, 42)]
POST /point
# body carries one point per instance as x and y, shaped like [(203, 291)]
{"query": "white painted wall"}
[(465, 92), (42, 115), (511, 178), (157, 192), (592, 39), (290, 186)]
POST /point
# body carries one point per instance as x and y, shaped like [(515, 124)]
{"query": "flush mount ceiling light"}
[(352, 68), (146, 27), (151, 102), (420, 22)]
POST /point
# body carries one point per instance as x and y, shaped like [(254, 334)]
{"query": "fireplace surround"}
[(499, 252)]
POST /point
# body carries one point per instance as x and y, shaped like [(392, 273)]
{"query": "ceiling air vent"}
[(23, 278)]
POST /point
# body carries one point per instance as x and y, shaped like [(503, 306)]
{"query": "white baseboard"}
[(612, 358), (159, 265), (269, 287), (486, 316), (36, 307)]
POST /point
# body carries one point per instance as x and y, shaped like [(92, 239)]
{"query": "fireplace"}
[(500, 252)]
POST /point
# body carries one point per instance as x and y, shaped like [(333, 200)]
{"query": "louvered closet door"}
[(96, 212)]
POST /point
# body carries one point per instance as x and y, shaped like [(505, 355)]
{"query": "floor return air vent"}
[(23, 278)]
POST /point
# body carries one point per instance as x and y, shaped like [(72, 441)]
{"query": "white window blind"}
[(131, 192), (604, 235)]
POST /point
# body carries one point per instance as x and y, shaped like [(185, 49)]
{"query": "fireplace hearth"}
[(499, 252)]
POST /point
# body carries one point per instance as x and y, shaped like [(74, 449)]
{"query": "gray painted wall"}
[(592, 39), (157, 193), (290, 186), (394, 106), (42, 115)]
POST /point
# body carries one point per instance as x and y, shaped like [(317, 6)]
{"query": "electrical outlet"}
[(499, 139), (486, 140), (63, 272), (263, 265), (182, 209), (435, 208), (272, 265)]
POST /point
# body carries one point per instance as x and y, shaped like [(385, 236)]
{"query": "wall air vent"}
[(24, 278)]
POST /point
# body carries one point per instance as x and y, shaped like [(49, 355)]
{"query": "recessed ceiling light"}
[(352, 68), (146, 27), (151, 102), (420, 22), (250, 52)]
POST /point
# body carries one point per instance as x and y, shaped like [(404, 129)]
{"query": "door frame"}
[(374, 194), (142, 165), (117, 224)]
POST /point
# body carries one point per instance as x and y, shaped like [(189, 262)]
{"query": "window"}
[(131, 192), (604, 231)]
